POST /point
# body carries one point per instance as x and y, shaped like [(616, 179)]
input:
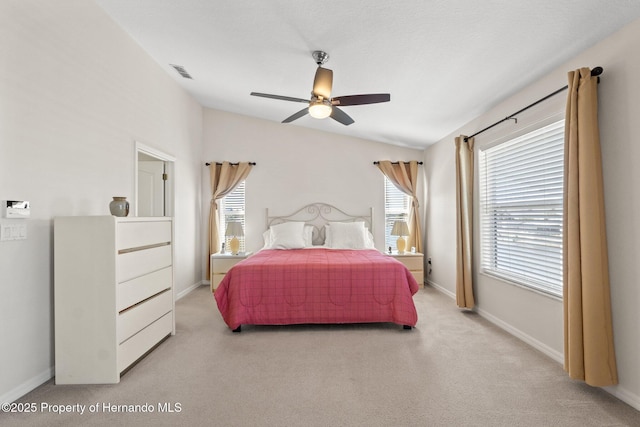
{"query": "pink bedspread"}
[(283, 287)]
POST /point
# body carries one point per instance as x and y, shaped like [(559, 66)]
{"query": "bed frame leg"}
[(238, 329), (406, 327)]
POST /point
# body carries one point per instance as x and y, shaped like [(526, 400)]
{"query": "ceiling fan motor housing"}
[(320, 56)]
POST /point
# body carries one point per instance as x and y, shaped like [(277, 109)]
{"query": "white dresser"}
[(113, 294)]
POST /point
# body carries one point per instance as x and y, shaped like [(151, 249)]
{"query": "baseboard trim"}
[(625, 395), (443, 290), (190, 289), (46, 375), (553, 354), (27, 386), (617, 391)]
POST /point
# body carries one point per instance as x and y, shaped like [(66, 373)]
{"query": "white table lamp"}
[(234, 230), (401, 229)]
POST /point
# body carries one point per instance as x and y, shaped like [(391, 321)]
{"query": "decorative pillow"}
[(288, 235), (347, 235)]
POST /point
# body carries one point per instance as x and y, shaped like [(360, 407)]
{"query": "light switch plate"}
[(14, 230)]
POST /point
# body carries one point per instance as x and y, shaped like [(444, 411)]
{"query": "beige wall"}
[(535, 318), (75, 93), (297, 166)]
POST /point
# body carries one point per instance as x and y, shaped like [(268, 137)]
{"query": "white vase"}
[(119, 206)]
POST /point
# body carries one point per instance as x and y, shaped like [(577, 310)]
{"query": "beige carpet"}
[(454, 369)]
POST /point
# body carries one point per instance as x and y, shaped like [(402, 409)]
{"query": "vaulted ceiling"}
[(444, 62)]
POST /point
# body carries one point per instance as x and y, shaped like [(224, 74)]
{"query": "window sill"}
[(519, 285)]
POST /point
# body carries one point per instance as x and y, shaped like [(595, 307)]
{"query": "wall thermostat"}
[(16, 209)]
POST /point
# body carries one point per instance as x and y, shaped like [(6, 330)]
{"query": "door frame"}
[(169, 162)]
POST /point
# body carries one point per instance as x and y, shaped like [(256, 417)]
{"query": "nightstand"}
[(414, 262), (221, 263)]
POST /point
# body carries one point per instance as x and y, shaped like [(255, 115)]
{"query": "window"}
[(521, 205), (396, 208), (231, 208)]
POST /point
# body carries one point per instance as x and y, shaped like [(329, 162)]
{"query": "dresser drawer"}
[(136, 234), (215, 280), (419, 276), (139, 316), (131, 350), (412, 262), (138, 263), (133, 291), (222, 265)]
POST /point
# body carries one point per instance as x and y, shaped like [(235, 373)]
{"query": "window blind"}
[(396, 208), (521, 198), (232, 209)]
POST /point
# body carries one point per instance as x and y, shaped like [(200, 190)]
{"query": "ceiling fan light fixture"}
[(322, 104), (320, 108)]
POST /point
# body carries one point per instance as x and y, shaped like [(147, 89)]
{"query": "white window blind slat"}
[(521, 198), (396, 208), (232, 208)]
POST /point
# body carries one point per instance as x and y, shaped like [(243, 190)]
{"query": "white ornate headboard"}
[(318, 215)]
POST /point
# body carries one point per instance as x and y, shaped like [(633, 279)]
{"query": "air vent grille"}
[(180, 69)]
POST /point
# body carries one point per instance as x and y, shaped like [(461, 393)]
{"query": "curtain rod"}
[(595, 72), (396, 163), (232, 164)]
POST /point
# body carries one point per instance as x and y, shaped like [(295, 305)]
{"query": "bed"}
[(318, 266)]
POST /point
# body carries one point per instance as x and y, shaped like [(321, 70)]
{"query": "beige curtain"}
[(464, 222), (588, 332), (224, 178), (405, 177)]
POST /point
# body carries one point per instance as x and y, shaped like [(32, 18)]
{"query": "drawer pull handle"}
[(143, 301), (142, 248)]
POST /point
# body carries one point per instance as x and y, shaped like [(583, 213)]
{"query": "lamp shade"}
[(400, 228), (234, 229)]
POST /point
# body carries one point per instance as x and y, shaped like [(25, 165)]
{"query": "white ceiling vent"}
[(180, 69)]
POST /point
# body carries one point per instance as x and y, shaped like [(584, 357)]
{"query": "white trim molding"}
[(617, 391), (440, 288), (555, 355), (190, 289), (27, 386), (625, 395)]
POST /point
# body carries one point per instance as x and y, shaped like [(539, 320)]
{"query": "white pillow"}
[(266, 236), (288, 235), (369, 243), (307, 236), (347, 235)]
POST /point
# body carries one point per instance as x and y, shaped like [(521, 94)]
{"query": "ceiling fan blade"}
[(323, 82), (296, 116), (280, 97), (340, 116), (372, 98)]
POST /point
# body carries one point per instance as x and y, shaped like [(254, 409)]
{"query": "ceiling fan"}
[(321, 104)]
